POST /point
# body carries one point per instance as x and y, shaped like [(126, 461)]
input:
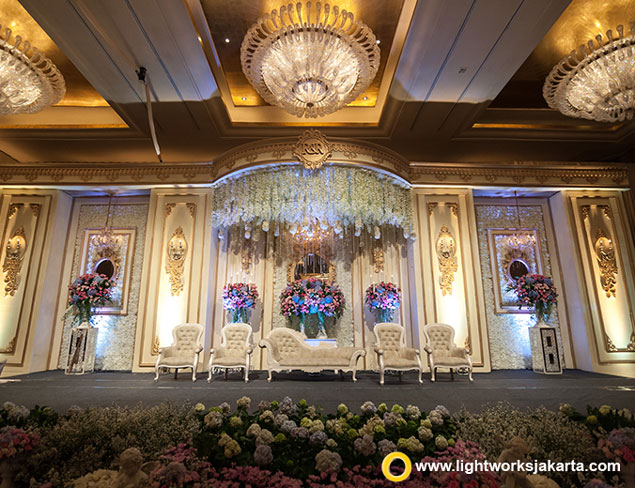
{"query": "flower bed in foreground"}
[(287, 444)]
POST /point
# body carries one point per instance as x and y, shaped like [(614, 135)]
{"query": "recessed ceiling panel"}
[(229, 21), (580, 22)]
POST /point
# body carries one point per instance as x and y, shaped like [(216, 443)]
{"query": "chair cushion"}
[(314, 360), (449, 360), (176, 360), (399, 362), (229, 361)]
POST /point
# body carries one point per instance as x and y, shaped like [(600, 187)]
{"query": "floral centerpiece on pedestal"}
[(239, 298), (86, 294), (537, 291), (312, 296), (383, 299)]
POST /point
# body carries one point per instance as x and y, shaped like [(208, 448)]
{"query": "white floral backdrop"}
[(509, 332), (116, 337)]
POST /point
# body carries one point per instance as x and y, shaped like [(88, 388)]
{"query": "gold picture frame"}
[(507, 263), (120, 255)]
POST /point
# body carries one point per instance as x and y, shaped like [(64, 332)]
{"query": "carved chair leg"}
[(420, 380), (354, 375), (226, 370), (470, 375), (432, 374), (381, 376), (193, 374), (246, 373), (209, 374), (270, 376), (176, 370), (156, 373), (400, 376), (452, 374)]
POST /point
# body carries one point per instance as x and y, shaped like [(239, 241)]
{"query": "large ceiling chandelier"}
[(596, 83), (309, 58), (29, 81)]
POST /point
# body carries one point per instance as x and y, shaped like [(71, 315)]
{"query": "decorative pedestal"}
[(81, 352), (327, 343), (545, 356)]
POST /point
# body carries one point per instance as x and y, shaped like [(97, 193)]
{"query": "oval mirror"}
[(105, 267), (517, 268)]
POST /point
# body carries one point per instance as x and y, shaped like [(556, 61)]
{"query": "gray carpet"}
[(520, 388)]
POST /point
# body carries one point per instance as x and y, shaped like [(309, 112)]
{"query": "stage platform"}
[(518, 387)]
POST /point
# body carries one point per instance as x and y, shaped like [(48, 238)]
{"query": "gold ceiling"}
[(579, 23), (79, 93), (229, 20)]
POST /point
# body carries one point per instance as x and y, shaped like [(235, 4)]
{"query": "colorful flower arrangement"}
[(534, 290), (87, 293), (239, 298), (383, 299), (15, 441), (298, 440), (312, 296)]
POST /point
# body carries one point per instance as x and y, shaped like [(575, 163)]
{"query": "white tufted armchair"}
[(234, 351), (184, 351), (391, 350), (442, 352)]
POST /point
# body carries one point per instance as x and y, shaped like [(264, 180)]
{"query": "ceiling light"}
[(243, 98), (378, 41), (29, 81), (365, 97), (309, 58), (596, 83)]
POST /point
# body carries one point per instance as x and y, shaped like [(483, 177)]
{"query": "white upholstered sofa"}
[(234, 351), (184, 351), (286, 351), (443, 352)]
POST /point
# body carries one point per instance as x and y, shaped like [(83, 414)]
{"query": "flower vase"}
[(8, 467), (321, 331), (302, 319), (383, 315), (239, 315)]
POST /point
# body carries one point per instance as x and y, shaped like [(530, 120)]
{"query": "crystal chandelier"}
[(107, 239), (596, 83), (29, 81), (308, 58), (520, 239)]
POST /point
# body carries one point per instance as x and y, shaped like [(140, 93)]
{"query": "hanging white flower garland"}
[(332, 196)]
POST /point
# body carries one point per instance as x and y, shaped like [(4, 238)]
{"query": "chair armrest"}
[(428, 349), (459, 352), (250, 349), (199, 349), (166, 351), (379, 350)]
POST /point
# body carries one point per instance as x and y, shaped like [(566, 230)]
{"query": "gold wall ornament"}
[(156, 346), (454, 208), (516, 262), (585, 209), (631, 344), (10, 349), (35, 208), (14, 255), (168, 208), (446, 253), (312, 149), (431, 207), (192, 208), (13, 209), (378, 259), (605, 254), (177, 252)]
